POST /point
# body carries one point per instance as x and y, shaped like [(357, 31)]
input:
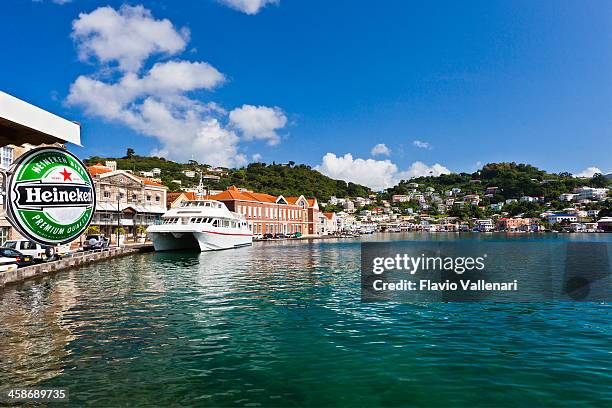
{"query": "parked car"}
[(7, 264), (38, 252), (95, 242), (280, 235), (296, 235), (62, 250), (268, 236), (21, 259)]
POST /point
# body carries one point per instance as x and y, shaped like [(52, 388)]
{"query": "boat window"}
[(215, 223)]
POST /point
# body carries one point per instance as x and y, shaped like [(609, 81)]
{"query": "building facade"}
[(125, 201), (268, 214)]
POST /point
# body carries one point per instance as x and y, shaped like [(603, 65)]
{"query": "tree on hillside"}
[(599, 180), (130, 153)]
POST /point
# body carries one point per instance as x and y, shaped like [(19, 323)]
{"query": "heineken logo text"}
[(60, 195)]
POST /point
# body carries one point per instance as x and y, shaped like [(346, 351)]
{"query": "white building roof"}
[(21, 122)]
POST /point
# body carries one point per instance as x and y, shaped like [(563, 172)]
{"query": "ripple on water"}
[(282, 324)]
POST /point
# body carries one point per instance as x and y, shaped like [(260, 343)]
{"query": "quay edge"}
[(43, 269)]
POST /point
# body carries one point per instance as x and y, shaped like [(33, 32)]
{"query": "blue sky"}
[(443, 85)]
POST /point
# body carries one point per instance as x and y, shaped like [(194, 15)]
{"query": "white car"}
[(7, 264), (38, 252)]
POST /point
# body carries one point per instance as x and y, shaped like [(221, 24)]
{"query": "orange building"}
[(513, 224), (267, 214)]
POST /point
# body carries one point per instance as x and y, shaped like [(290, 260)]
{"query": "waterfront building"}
[(268, 214), (514, 224), (605, 224), (189, 173), (484, 225), (328, 223), (583, 227), (125, 200), (555, 218), (156, 171)]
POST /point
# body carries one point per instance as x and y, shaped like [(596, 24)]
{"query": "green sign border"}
[(19, 222)]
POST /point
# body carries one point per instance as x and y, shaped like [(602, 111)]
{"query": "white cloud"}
[(248, 6), (588, 172), (376, 174), (380, 149), (256, 158), (258, 122), (420, 169), (421, 145), (127, 36), (157, 102)]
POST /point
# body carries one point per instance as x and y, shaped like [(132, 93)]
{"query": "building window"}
[(6, 157), (107, 194), (4, 234), (133, 197), (148, 198), (158, 199)]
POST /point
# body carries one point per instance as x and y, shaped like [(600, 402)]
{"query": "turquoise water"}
[(281, 324)]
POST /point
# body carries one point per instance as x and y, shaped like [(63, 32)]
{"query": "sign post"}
[(50, 196)]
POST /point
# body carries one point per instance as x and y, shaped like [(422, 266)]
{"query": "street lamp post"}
[(118, 217)]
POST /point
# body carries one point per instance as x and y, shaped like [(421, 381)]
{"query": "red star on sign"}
[(66, 175)]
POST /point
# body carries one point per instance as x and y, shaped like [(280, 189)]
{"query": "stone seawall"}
[(79, 259)]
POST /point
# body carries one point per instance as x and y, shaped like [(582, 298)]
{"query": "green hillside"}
[(513, 180), (276, 179)]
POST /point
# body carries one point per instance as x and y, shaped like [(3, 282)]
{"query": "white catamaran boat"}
[(206, 225)]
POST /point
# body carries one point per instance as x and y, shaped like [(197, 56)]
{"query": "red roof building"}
[(268, 214)]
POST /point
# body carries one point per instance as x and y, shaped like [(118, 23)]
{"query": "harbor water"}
[(282, 324)]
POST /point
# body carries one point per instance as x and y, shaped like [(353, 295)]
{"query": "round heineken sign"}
[(50, 196)]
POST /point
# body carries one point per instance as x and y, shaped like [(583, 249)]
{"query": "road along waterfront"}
[(281, 324)]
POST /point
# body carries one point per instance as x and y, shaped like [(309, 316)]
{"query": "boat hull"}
[(203, 241)]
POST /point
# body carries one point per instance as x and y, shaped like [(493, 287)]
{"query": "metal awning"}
[(22, 123)]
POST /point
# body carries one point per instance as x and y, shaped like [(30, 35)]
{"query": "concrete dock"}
[(74, 260)]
